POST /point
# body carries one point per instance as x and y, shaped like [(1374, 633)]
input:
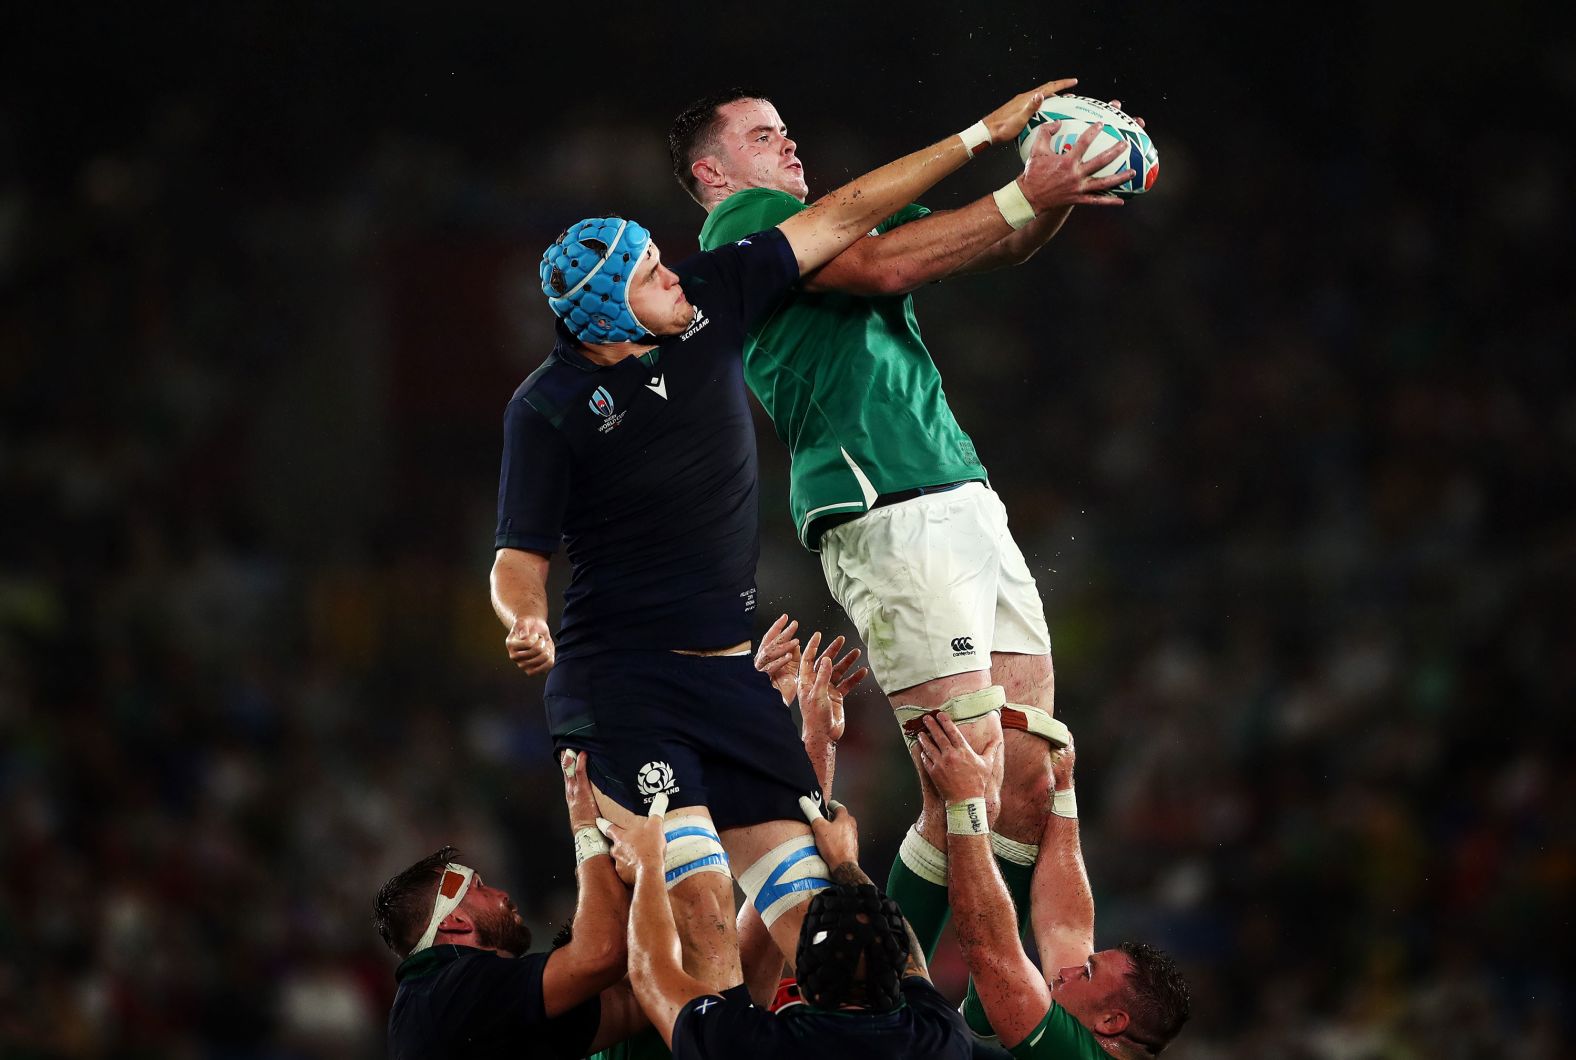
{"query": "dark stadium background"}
[(1290, 444)]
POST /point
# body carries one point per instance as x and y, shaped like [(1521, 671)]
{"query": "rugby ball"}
[(1077, 113)]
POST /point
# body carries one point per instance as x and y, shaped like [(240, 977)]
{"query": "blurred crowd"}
[(1293, 460)]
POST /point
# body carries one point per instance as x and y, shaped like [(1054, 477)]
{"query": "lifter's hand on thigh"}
[(577, 790), (955, 768), (642, 846), (983, 736)]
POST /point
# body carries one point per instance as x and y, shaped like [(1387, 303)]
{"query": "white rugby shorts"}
[(934, 585)]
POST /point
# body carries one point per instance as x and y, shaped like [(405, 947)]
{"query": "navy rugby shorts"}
[(706, 730)]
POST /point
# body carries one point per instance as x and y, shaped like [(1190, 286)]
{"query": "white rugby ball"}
[(1077, 113)]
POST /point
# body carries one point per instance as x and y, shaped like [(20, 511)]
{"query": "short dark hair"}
[(1158, 1000), (404, 903), (694, 130)]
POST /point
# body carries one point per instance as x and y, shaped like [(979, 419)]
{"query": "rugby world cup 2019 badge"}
[(601, 403), (656, 778)]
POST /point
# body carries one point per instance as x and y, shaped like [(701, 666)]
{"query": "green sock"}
[(1019, 879), (924, 903)]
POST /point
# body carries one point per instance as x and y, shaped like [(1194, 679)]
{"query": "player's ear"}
[(707, 175), (457, 923), (1112, 1022)]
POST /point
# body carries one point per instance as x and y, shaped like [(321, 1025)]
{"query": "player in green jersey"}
[(885, 484), (1129, 1001)]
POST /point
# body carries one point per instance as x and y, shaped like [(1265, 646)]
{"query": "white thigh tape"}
[(923, 860), (789, 874), (693, 847), (1036, 721), (967, 707)]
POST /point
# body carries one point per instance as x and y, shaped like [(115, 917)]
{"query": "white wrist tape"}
[(967, 817), (1013, 204), (1065, 804), (975, 138), (589, 842)]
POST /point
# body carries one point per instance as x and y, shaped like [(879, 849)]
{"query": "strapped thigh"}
[(693, 847), (970, 706), (1036, 721), (787, 875)]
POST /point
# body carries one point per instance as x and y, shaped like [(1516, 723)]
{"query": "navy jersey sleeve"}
[(939, 1029), (504, 997), (723, 1027), (751, 275), (533, 483)]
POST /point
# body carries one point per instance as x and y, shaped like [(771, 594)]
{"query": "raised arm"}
[(831, 223), (979, 236), (656, 969), (1011, 988), (824, 682), (1063, 905), (837, 838), (594, 957), (519, 598)]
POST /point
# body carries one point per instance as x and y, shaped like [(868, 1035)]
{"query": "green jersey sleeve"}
[(756, 209), (1059, 1037), (912, 212)]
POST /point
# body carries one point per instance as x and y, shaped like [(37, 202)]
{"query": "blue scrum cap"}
[(585, 275)]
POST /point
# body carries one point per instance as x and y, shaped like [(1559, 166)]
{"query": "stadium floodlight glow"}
[(451, 892)]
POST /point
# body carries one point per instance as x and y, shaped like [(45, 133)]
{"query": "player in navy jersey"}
[(633, 445), (467, 986), (861, 972)]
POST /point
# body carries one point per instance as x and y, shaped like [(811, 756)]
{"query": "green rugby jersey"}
[(847, 382), (1059, 1037)]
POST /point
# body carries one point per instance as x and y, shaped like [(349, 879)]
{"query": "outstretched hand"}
[(824, 682), (1007, 121), (779, 658)]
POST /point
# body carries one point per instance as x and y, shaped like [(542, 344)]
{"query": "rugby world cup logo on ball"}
[(1077, 113), (656, 778)]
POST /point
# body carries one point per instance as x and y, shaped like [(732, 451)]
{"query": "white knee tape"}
[(788, 875), (1039, 722), (693, 847), (927, 862), (1012, 850), (970, 706)]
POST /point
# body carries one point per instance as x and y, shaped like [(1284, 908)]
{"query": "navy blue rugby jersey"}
[(456, 1001), (646, 470), (726, 1026)]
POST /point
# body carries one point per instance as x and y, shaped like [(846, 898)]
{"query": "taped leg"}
[(962, 709), (787, 876), (693, 846)]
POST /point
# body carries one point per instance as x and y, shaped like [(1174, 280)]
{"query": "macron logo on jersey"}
[(658, 386), (700, 321)]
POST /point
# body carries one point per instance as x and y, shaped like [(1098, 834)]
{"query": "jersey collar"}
[(426, 962)]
